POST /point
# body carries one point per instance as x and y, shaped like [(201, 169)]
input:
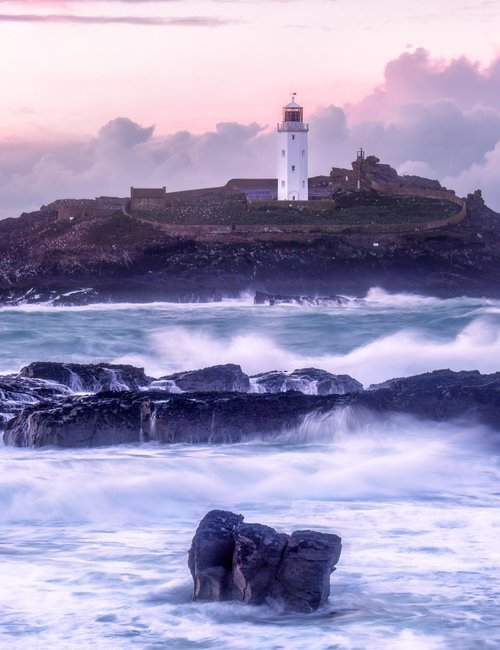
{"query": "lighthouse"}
[(292, 154)]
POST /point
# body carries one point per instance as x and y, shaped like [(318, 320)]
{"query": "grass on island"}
[(355, 209)]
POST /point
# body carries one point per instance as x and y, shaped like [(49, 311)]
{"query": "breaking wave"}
[(404, 353)]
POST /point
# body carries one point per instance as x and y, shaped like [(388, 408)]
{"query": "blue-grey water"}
[(93, 543)]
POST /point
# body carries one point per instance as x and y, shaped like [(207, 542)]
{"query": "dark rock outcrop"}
[(88, 378), (229, 417), (303, 577), (254, 564), (222, 378), (440, 395), (311, 381), (258, 554), (110, 418), (17, 392), (94, 421), (211, 556), (199, 418)]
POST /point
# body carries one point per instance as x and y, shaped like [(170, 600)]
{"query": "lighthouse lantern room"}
[(292, 154)]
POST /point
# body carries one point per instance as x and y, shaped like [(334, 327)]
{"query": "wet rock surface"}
[(16, 393), (222, 378), (254, 564), (88, 378), (38, 412), (95, 421), (211, 556), (440, 395), (311, 381)]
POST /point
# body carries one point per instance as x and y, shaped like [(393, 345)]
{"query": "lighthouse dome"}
[(293, 112), (292, 104)]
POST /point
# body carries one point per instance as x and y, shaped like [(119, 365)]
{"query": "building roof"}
[(242, 184), (147, 192)]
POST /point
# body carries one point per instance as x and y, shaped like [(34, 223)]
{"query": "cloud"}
[(417, 77), (482, 175), (123, 154), (421, 130), (149, 21)]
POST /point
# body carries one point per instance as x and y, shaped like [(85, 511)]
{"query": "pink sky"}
[(70, 67)]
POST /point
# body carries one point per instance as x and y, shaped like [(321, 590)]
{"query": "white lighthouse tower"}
[(292, 154)]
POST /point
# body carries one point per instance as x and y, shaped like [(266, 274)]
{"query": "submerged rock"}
[(254, 564), (271, 299), (88, 378)]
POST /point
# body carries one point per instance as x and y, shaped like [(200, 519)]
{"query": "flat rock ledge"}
[(254, 564)]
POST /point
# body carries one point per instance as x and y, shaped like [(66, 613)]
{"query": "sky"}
[(99, 95)]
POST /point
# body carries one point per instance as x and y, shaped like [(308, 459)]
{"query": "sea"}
[(93, 543)]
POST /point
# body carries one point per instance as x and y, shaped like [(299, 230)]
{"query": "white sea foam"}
[(95, 541), (349, 455), (407, 352), (375, 298), (47, 307)]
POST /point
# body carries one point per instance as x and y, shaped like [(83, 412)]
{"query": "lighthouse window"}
[(282, 153), (303, 183), (293, 137), (282, 183), (303, 153), (293, 168)]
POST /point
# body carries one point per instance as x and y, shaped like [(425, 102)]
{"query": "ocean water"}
[(93, 543)]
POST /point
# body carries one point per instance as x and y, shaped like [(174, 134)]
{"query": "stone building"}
[(254, 188), (148, 198)]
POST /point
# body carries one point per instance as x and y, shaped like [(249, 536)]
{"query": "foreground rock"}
[(110, 418), (88, 378), (131, 417), (254, 564), (95, 421)]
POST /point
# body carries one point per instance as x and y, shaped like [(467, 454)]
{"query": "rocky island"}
[(399, 233)]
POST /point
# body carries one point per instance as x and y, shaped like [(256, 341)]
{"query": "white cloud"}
[(432, 119)]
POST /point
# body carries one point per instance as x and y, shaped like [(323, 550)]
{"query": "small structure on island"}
[(142, 198), (292, 154), (255, 189)]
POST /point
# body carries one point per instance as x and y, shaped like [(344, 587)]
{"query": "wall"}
[(147, 203), (398, 190)]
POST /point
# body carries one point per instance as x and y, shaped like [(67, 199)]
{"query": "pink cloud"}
[(416, 77), (433, 118)]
